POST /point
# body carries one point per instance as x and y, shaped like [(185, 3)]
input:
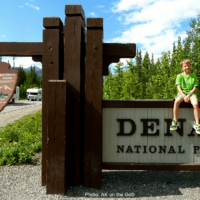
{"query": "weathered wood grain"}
[(74, 64), (21, 49), (52, 23), (93, 104), (75, 10), (51, 69), (50, 148), (56, 141)]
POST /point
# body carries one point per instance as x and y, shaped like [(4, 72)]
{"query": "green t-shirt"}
[(186, 82)]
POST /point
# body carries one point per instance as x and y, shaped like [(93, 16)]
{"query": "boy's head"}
[(185, 65), (186, 61)]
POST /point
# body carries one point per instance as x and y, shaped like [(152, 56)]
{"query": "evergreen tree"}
[(146, 65), (153, 67), (130, 86), (28, 80), (131, 66), (139, 64), (149, 80), (157, 81), (22, 76), (146, 74), (118, 80), (193, 30), (173, 59), (108, 85)]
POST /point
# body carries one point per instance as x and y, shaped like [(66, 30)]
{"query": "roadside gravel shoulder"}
[(11, 116)]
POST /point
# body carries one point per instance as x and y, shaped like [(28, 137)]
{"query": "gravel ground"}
[(24, 181)]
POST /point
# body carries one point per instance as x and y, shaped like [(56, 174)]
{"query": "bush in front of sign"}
[(21, 140)]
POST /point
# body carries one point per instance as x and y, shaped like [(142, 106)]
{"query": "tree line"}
[(28, 80), (147, 79)]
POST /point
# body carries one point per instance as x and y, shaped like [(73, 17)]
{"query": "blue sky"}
[(152, 24)]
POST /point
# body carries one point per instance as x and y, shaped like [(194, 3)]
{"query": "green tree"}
[(118, 80), (146, 79), (22, 76), (108, 85), (139, 64), (146, 74)]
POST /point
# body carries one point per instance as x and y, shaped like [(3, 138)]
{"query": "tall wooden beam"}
[(52, 68), (74, 64), (56, 142), (93, 103)]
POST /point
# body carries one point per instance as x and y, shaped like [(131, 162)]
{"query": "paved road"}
[(20, 105)]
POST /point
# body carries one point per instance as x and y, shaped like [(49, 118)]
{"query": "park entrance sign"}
[(137, 136), (81, 133), (142, 135), (8, 83)]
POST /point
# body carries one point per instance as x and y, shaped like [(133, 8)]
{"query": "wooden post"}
[(52, 68), (56, 127), (74, 64), (93, 103)]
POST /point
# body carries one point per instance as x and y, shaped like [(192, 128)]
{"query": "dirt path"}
[(10, 117)]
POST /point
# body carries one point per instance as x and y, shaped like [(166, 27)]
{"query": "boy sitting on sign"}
[(186, 83)]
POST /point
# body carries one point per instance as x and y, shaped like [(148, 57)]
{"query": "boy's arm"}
[(193, 90), (190, 94), (180, 91), (187, 97)]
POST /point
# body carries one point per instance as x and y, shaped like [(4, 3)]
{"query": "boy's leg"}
[(177, 102), (194, 102)]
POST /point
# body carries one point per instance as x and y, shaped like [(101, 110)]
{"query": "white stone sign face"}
[(8, 83), (142, 135)]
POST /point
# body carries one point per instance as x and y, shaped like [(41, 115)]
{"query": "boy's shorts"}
[(193, 98)]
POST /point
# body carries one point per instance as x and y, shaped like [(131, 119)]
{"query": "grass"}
[(20, 141)]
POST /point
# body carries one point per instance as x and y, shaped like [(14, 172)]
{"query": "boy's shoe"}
[(196, 127), (174, 125)]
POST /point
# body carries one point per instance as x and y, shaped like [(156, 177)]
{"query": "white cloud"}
[(100, 6), (3, 35), (37, 8), (126, 5), (22, 61), (92, 14), (169, 11), (154, 24), (21, 6)]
